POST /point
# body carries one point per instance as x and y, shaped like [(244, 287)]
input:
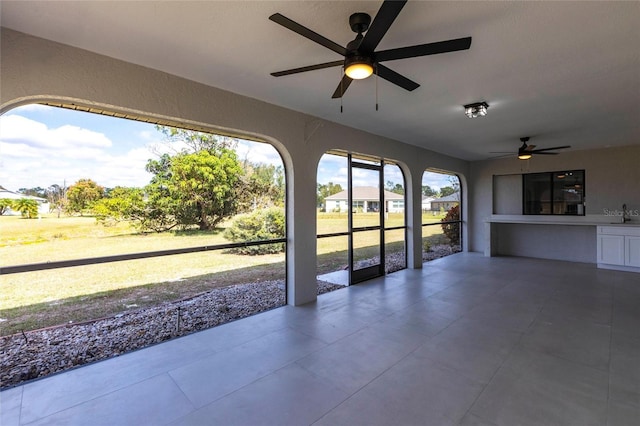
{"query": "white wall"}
[(34, 69), (612, 177)]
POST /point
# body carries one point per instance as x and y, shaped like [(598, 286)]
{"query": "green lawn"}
[(37, 299)]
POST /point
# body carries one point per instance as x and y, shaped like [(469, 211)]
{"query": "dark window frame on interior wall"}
[(554, 193)]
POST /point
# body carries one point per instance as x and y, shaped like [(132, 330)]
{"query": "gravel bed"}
[(439, 251), (396, 261), (39, 353)]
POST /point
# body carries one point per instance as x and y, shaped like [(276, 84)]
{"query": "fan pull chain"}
[(376, 88), (341, 87)]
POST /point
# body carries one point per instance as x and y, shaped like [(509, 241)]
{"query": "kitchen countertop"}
[(592, 220)]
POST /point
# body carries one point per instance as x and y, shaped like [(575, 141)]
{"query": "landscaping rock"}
[(38, 353)]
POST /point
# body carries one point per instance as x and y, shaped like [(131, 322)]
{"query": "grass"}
[(43, 298)]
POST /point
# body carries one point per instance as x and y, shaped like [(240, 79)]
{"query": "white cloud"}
[(15, 129), (31, 108), (32, 154), (258, 152)]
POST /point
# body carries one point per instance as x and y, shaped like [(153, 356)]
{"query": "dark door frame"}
[(373, 271)]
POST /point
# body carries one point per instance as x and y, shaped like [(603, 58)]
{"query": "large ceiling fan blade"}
[(424, 49), (543, 153), (306, 32), (342, 87), (542, 150), (396, 78), (307, 68), (387, 13)]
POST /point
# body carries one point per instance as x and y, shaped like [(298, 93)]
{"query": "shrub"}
[(5, 204), (452, 230), (28, 208), (264, 224)]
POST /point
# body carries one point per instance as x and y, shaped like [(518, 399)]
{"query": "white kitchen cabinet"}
[(611, 249), (632, 251), (619, 247)]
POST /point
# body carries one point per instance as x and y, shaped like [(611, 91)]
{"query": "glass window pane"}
[(560, 193), (537, 193), (394, 250), (366, 249), (441, 197), (333, 206), (394, 194), (440, 240), (366, 197), (568, 193), (333, 259)]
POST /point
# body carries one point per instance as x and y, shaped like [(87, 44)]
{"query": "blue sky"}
[(41, 146)]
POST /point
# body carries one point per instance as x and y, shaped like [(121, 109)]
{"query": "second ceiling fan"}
[(360, 58), (526, 151)]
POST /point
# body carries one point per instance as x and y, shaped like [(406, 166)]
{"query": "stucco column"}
[(301, 224), (414, 217)]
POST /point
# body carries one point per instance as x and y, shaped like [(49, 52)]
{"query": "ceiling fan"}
[(360, 58), (527, 151)]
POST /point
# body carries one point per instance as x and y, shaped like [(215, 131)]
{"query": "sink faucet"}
[(625, 214)]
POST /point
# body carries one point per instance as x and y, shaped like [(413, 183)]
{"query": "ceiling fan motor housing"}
[(359, 22)]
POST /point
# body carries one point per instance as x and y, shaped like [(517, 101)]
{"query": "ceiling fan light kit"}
[(358, 67), (477, 109)]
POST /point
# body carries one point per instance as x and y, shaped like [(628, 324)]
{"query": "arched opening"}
[(361, 221), (441, 214), (144, 229)]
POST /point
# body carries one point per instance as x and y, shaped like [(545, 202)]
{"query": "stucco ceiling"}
[(564, 73)]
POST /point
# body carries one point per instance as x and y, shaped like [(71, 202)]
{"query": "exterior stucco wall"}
[(34, 69)]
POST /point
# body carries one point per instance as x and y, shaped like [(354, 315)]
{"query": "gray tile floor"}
[(467, 340)]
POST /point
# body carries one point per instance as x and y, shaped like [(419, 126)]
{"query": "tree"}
[(261, 186), (204, 183), (121, 204), (82, 195), (199, 182), (57, 197), (427, 191), (178, 141), (396, 188), (5, 204), (34, 192), (27, 207), (446, 191), (327, 190), (192, 189)]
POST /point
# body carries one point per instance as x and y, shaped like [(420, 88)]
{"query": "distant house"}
[(445, 203), (426, 203), (43, 203), (365, 199)]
